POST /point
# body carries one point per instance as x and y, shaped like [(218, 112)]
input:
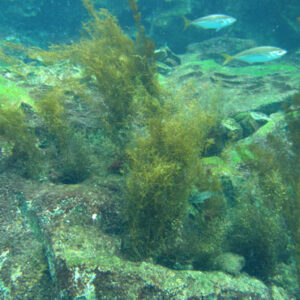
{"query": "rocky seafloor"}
[(61, 241)]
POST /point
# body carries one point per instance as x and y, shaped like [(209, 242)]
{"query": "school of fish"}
[(254, 55)]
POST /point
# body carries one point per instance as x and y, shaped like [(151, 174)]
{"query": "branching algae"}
[(160, 138), (161, 170)]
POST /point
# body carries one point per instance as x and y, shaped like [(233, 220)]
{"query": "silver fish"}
[(256, 55), (216, 22), (200, 197)]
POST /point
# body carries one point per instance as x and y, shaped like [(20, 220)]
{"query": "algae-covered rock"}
[(65, 241), (166, 60), (23, 265), (232, 129), (241, 87), (84, 262), (13, 95), (166, 56), (251, 121)]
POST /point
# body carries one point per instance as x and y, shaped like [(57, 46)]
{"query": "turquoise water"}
[(149, 149)]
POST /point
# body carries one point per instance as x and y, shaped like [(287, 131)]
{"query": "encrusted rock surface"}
[(55, 249), (63, 241)]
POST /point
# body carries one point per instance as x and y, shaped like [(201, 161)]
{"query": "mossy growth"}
[(17, 133), (120, 69), (251, 71), (259, 224), (72, 157), (204, 229), (161, 171), (259, 235), (124, 70), (292, 207), (30, 135), (13, 100), (120, 73), (20, 141), (13, 95), (205, 237), (108, 57)]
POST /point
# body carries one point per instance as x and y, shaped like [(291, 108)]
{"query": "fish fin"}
[(228, 58), (217, 29), (187, 23)]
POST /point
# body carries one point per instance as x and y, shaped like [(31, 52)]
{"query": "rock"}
[(257, 88), (251, 121), (163, 68), (84, 262), (167, 60), (232, 130), (166, 56), (24, 272)]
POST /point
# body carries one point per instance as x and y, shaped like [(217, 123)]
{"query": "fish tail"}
[(187, 23), (228, 58)]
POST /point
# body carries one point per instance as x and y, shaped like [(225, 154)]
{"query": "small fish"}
[(256, 55), (200, 197), (210, 22)]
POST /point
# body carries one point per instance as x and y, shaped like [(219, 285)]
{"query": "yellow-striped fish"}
[(216, 22), (256, 55)]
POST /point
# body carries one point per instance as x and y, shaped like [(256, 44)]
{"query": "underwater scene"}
[(149, 149)]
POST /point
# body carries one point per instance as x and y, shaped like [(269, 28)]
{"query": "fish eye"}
[(278, 52)]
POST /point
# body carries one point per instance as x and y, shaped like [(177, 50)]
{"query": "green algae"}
[(218, 165), (13, 95), (89, 250), (235, 155), (88, 258), (259, 70), (209, 64), (205, 65), (269, 127), (247, 70)]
